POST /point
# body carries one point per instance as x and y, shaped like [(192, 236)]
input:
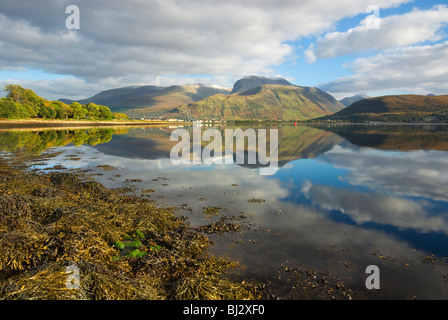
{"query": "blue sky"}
[(318, 43)]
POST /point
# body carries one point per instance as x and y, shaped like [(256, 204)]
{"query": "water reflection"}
[(343, 198), (394, 137), (294, 142), (37, 141)]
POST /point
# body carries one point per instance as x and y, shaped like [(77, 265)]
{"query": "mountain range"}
[(267, 98), (251, 98), (151, 101)]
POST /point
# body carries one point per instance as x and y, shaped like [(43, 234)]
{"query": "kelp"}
[(123, 246)]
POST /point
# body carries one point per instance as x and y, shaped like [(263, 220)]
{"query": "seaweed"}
[(124, 246)]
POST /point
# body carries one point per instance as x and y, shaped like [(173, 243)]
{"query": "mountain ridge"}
[(395, 108), (265, 102), (154, 100), (252, 97), (249, 82), (349, 100)]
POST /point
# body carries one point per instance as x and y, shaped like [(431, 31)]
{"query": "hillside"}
[(151, 101), (395, 108), (251, 82), (265, 102), (117, 98)]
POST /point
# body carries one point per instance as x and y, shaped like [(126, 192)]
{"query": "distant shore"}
[(40, 123), (6, 124)]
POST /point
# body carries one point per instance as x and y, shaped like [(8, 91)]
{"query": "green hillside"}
[(266, 102), (395, 108), (151, 101)]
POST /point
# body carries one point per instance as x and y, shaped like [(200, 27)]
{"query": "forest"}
[(22, 103)]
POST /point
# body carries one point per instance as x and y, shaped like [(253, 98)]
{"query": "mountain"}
[(251, 98), (395, 108), (120, 97), (349, 100), (251, 82), (151, 101), (264, 102)]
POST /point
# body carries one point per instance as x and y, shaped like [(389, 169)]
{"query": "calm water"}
[(344, 197)]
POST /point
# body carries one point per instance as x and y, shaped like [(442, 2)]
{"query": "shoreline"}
[(64, 124), (6, 124)]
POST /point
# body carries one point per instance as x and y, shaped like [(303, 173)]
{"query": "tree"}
[(27, 98), (79, 112), (119, 116), (63, 111), (93, 111), (46, 111), (104, 113), (9, 108), (15, 92), (66, 108), (24, 103)]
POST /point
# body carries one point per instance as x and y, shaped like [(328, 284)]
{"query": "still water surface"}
[(344, 197)]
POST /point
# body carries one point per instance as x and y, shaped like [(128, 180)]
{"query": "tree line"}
[(22, 103)]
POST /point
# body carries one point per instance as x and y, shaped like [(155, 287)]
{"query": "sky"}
[(343, 47)]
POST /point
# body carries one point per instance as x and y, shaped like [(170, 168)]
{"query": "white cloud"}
[(377, 208), (414, 27), (77, 88), (417, 173), (72, 88), (416, 69), (142, 39)]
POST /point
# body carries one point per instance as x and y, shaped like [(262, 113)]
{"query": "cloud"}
[(53, 89), (415, 27), (378, 208), (165, 38), (78, 88), (416, 69), (410, 174)]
